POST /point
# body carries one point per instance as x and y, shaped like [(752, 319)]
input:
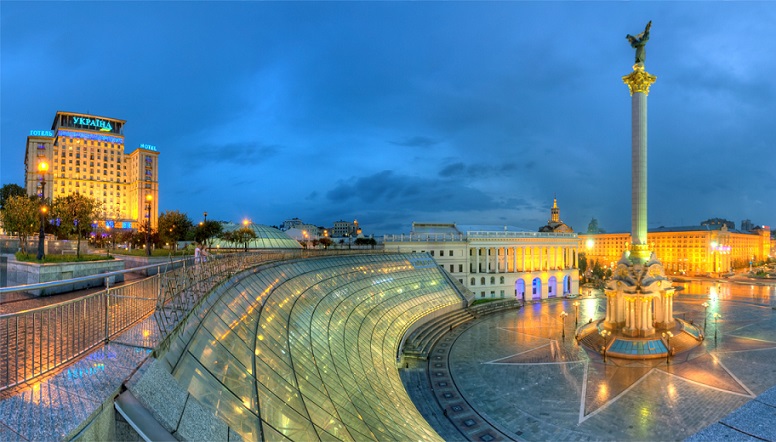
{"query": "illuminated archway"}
[(566, 285), (552, 287), (536, 289), (520, 290)]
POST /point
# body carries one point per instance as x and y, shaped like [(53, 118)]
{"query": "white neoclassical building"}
[(498, 261)]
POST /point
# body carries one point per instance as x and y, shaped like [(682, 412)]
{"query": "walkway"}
[(522, 380)]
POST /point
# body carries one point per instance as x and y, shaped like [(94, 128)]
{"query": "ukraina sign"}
[(102, 125)]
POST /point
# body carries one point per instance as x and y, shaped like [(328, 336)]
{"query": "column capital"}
[(639, 80)]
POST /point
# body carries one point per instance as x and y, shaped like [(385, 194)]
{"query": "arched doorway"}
[(536, 289), (566, 285), (552, 287), (520, 290)]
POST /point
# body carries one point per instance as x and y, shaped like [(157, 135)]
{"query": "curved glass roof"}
[(306, 349), (266, 238)]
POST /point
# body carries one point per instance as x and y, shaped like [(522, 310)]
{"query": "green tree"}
[(207, 230), (20, 215), (325, 242), (243, 235), (9, 190), (76, 213), (365, 242), (173, 227)]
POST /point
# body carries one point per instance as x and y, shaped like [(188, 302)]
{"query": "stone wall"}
[(24, 273)]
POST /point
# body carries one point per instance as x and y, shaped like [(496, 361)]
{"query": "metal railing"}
[(35, 342)]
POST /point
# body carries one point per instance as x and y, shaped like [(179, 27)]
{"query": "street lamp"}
[(42, 169), (705, 306), (576, 312), (107, 230), (149, 198), (205, 215), (667, 336), (563, 315), (605, 334), (245, 225)]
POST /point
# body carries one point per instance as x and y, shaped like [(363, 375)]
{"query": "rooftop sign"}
[(149, 147)]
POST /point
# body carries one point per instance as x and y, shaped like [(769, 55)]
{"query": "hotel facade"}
[(498, 262), (691, 250), (86, 155)]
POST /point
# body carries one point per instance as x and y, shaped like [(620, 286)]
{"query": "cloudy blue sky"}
[(393, 112)]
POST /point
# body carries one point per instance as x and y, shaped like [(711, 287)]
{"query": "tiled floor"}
[(523, 378)]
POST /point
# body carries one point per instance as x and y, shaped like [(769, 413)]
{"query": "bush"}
[(31, 257), (154, 252)]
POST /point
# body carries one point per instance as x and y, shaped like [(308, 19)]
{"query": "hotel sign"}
[(148, 147), (41, 133), (102, 125)]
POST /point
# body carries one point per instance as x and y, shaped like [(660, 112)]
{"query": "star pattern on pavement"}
[(605, 383)]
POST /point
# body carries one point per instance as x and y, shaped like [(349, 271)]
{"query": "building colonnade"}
[(489, 259)]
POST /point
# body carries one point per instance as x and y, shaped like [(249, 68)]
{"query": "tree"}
[(76, 213), (20, 215), (173, 226), (325, 242), (207, 230), (9, 190), (365, 242), (593, 228), (243, 235)]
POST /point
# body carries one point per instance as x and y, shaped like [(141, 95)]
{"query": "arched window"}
[(501, 280), (473, 280), (492, 279), (482, 281)]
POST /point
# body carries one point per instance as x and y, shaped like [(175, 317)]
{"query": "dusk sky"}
[(393, 112)]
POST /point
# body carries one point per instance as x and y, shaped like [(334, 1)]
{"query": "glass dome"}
[(266, 238)]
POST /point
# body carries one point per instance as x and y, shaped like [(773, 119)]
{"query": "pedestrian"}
[(200, 254)]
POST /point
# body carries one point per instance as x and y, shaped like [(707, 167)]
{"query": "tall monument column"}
[(639, 82)]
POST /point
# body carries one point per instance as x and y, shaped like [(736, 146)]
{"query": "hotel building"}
[(86, 155), (707, 249)]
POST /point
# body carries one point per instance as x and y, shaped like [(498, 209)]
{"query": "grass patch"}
[(30, 257)]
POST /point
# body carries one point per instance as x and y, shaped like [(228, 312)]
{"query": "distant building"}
[(498, 261), (345, 229), (555, 224), (86, 154), (747, 226), (290, 224), (708, 249), (719, 222)]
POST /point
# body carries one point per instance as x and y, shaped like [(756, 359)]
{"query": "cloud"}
[(478, 170), (409, 193), (416, 141), (237, 153)]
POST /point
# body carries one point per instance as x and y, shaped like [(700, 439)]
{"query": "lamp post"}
[(107, 234), (667, 336), (563, 315), (705, 306), (576, 312), (245, 225), (149, 198), (42, 169), (605, 334), (205, 215)]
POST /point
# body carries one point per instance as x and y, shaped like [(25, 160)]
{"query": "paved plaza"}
[(515, 376)]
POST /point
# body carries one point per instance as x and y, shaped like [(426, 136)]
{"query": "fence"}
[(35, 342)]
